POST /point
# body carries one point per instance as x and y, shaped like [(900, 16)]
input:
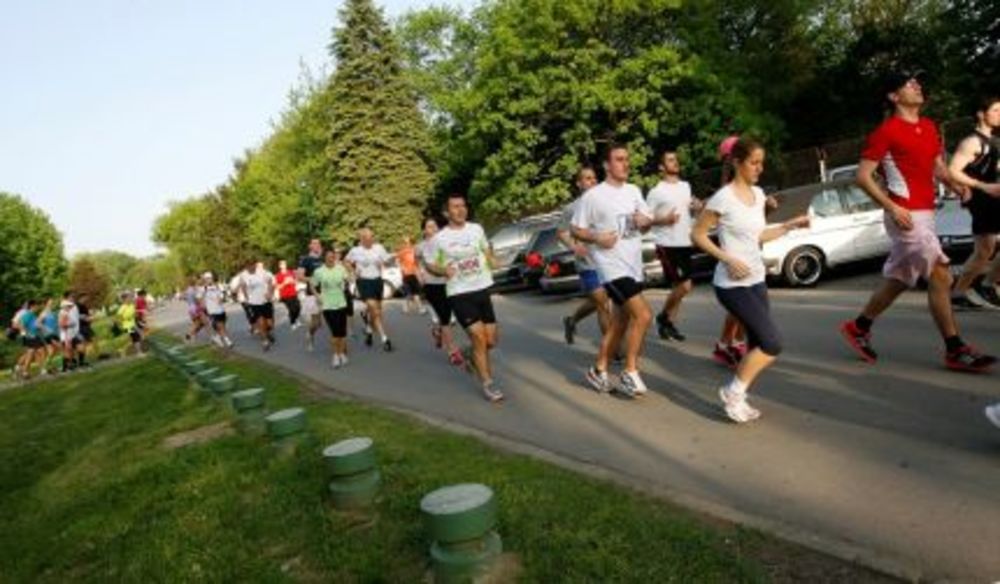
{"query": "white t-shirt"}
[(72, 330), (425, 256), (665, 198), (583, 263), (213, 297), (464, 249), (609, 208), (740, 226), (235, 288), (258, 283), (369, 260), (310, 305)]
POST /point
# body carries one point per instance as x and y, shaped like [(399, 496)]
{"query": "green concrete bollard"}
[(354, 478), (250, 410), (286, 428), (192, 367), (460, 521), (225, 384), (204, 377)]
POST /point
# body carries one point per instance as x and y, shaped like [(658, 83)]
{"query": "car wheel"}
[(804, 266)]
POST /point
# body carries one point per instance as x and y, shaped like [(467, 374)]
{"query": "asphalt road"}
[(894, 459)]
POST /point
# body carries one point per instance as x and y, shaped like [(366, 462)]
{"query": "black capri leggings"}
[(336, 320), (750, 305)]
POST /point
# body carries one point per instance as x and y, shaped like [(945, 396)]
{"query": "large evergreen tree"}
[(378, 151)]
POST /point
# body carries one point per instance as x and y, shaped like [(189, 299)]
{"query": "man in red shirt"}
[(906, 150), (287, 293)]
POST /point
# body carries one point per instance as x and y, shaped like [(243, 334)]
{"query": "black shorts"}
[(412, 283), (473, 307), (258, 311), (135, 335), (336, 321), (32, 342), (676, 263), (985, 212), (437, 297), (622, 289), (218, 319), (51, 339), (750, 305), (370, 288), (87, 334), (350, 300)]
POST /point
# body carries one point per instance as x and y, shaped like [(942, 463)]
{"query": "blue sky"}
[(111, 108)]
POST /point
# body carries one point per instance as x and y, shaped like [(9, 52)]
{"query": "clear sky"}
[(111, 108)]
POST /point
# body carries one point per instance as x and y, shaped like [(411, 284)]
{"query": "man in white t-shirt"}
[(367, 260), (213, 297), (236, 289), (461, 253), (257, 283), (672, 205), (611, 218)]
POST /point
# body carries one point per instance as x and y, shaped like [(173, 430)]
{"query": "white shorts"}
[(69, 335)]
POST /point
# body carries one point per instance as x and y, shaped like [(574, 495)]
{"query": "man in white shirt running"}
[(367, 260), (461, 253), (611, 218), (214, 299), (258, 285), (672, 205)]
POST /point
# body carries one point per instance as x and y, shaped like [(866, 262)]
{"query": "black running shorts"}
[(336, 321), (473, 307), (258, 311), (622, 289), (370, 288), (676, 263)]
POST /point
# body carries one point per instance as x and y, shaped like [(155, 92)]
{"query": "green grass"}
[(89, 493)]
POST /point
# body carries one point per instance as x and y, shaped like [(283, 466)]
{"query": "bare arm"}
[(772, 233), (707, 221), (866, 180), (605, 239), (964, 154)]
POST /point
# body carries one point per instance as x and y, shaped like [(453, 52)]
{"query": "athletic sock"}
[(736, 386), (863, 323), (953, 343)]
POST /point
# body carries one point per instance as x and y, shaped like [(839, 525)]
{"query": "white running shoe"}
[(343, 360), (335, 361), (993, 414), (749, 411), (630, 384), (598, 380), (310, 346), (491, 393), (734, 404)]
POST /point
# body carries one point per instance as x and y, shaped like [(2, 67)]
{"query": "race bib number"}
[(468, 267), (626, 226)]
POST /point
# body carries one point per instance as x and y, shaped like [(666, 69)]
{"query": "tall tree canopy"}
[(379, 139), (32, 264)]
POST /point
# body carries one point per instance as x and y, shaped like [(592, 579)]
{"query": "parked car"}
[(846, 226), (510, 240)]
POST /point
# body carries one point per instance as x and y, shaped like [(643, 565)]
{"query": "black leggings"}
[(294, 308), (750, 305)]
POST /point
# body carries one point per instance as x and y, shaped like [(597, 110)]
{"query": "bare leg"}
[(480, 348), (752, 365), (883, 297), (672, 306), (612, 338), (939, 300), (978, 263), (639, 317)]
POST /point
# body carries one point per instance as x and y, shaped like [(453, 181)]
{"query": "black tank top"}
[(984, 167)]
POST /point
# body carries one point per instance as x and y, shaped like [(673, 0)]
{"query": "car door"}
[(870, 238), (830, 227)]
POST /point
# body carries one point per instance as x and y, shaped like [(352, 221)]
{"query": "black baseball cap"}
[(897, 78)]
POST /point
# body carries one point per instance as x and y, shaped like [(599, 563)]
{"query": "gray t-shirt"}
[(583, 263)]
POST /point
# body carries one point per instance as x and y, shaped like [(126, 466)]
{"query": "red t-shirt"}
[(140, 304), (906, 153), (286, 284)]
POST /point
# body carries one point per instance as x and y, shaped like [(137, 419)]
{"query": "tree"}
[(379, 140), (86, 278), (32, 264), (116, 265)]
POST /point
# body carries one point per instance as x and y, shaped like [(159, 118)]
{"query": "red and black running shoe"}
[(724, 356), (859, 340), (967, 358)]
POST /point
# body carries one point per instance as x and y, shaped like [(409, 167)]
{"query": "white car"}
[(845, 226)]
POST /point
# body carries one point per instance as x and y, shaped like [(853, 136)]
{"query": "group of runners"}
[(57, 334), (451, 267)]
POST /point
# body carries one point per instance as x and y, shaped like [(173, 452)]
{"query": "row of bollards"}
[(460, 520)]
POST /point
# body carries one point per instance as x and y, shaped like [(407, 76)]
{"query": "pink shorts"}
[(914, 253)]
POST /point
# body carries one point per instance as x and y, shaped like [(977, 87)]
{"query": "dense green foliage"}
[(86, 278), (515, 94), (32, 264)]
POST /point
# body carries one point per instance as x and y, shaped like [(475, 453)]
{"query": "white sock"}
[(384, 338), (738, 387)]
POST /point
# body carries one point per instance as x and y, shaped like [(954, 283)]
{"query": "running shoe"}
[(967, 358), (310, 345), (295, 326), (993, 414), (491, 393), (989, 295), (964, 301), (335, 361), (667, 330), (734, 405), (343, 360), (859, 340), (436, 335), (569, 329), (738, 351), (598, 380), (456, 358), (387, 346), (368, 339), (266, 346), (628, 384), (724, 356)]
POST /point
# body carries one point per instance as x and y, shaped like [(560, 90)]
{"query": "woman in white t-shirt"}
[(367, 260), (737, 209)]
